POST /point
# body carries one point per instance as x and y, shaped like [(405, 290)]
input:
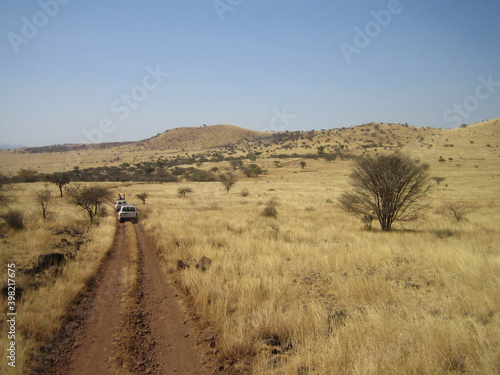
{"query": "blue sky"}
[(84, 71)]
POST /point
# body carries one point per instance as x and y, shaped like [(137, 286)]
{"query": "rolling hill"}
[(202, 137), (472, 142)]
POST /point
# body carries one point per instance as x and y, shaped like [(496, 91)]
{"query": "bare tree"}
[(388, 187), (459, 210), (44, 198), (89, 198), (228, 180)]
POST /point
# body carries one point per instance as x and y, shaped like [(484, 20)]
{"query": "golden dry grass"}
[(47, 295), (312, 291), (423, 299)]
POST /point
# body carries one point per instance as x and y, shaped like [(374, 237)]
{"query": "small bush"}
[(184, 191), (367, 221), (270, 209), (15, 219), (438, 180), (442, 233), (228, 180), (142, 197), (274, 229), (459, 210), (245, 193)]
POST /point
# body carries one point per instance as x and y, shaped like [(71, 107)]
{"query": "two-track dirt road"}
[(132, 320)]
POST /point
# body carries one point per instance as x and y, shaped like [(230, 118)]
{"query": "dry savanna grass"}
[(311, 291), (47, 295)]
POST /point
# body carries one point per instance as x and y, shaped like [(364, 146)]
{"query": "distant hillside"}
[(202, 137), (472, 143), (72, 147), (5, 146)]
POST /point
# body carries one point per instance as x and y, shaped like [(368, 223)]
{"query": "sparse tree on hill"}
[(44, 198), (89, 198), (228, 180), (389, 187), (61, 179)]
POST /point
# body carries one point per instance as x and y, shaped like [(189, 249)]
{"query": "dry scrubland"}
[(313, 292), (47, 296)]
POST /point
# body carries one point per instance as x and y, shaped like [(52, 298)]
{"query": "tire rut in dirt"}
[(166, 325), (112, 331), (85, 343)]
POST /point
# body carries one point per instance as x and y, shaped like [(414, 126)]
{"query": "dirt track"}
[(114, 330)]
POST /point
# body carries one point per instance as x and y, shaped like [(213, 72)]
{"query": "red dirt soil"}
[(106, 334)]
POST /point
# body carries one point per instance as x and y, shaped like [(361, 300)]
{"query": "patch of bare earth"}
[(152, 334)]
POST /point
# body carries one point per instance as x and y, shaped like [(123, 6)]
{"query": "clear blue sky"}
[(69, 67)]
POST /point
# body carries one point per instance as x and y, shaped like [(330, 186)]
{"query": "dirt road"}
[(131, 321)]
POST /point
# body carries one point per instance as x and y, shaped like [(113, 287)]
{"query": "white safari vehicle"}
[(128, 212), (119, 203)]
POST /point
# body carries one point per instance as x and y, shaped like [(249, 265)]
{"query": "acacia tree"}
[(89, 198), (60, 179), (228, 180), (388, 187)]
